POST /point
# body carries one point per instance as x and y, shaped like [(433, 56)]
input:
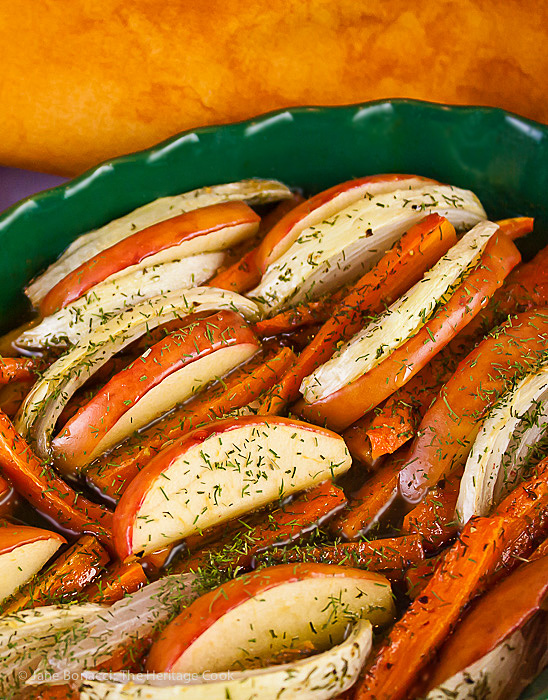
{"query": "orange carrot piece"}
[(117, 581), (472, 564), (540, 551), (297, 317), (245, 273), (240, 277), (434, 518), (355, 399), (50, 495), (69, 574), (9, 499), (394, 554), (516, 227), (362, 512), (450, 425), (17, 369), (357, 440), (112, 473), (51, 692), (305, 512), (396, 272), (417, 577)]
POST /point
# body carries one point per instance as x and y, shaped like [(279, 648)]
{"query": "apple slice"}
[(219, 472), (254, 191), (49, 395), (258, 615), (318, 677), (23, 552), (323, 205), (341, 248), (80, 318), (164, 375), (205, 230)]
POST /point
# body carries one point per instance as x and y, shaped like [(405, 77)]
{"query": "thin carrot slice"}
[(17, 369), (240, 277), (369, 501), (450, 425), (357, 440), (395, 554), (434, 518), (297, 317), (112, 473), (516, 227), (241, 541), (396, 272), (50, 495), (354, 400), (118, 580), (69, 574), (245, 273)]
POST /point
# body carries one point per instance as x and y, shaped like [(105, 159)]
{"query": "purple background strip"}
[(17, 184)]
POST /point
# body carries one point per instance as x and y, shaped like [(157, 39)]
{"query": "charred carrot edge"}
[(69, 574), (362, 511), (452, 421), (517, 227), (245, 273), (119, 580), (471, 565), (17, 369), (280, 526), (434, 518), (50, 495), (392, 554), (112, 473), (352, 401), (401, 267)]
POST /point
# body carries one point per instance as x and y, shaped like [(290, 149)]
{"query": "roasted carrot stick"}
[(395, 554), (362, 512), (112, 473), (401, 267), (417, 577), (434, 518), (245, 273), (291, 319), (118, 580), (357, 440), (239, 543), (517, 227), (450, 425), (240, 277), (51, 692), (354, 400), (69, 574), (501, 611), (49, 494), (17, 369)]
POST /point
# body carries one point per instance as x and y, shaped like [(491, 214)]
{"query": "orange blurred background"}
[(84, 80)]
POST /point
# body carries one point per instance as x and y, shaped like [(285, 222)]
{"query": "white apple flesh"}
[(219, 472)]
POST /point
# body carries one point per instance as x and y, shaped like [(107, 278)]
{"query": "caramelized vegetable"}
[(113, 472), (118, 580), (69, 574), (401, 267), (49, 494), (343, 407)]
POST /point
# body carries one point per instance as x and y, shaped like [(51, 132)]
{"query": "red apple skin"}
[(135, 494), (141, 245), (265, 254), (91, 423), (500, 612), (13, 536), (182, 632)]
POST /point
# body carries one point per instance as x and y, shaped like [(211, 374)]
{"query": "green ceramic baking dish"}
[(502, 157)]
